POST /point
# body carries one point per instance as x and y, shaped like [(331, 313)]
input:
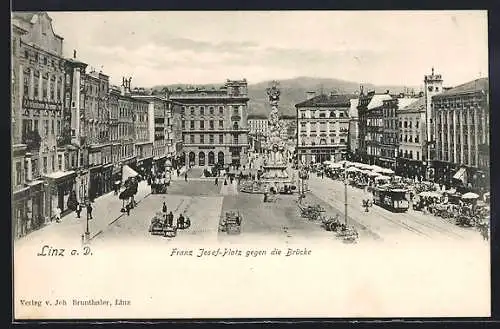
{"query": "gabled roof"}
[(327, 101), (378, 100), (404, 102), (417, 105), (477, 85)]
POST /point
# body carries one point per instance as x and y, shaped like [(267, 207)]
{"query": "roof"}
[(377, 100), (477, 85), (404, 102), (25, 16), (417, 105), (257, 116), (326, 101)]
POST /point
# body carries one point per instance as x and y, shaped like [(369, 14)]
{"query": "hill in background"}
[(294, 91)]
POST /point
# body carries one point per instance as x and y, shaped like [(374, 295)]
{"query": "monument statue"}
[(275, 144)]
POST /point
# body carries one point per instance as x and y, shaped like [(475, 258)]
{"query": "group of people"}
[(58, 212), (169, 217)]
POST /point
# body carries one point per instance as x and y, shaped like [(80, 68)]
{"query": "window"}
[(406, 124), (221, 110), (211, 124), (202, 110), (417, 138), (221, 124), (202, 139), (235, 139), (322, 115), (202, 125), (303, 143), (46, 127), (26, 54), (341, 114), (183, 110), (418, 155), (183, 124), (411, 154), (235, 125), (221, 139), (400, 124), (52, 127), (44, 165), (211, 110), (332, 141), (191, 139), (409, 124), (211, 137), (18, 173), (342, 140), (416, 124), (313, 143), (192, 110), (191, 125), (59, 160)]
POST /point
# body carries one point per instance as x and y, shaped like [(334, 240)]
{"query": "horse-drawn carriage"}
[(231, 223), (160, 225), (331, 224)]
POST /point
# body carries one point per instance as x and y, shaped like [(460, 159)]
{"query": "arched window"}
[(220, 158), (235, 125), (201, 159), (211, 158), (191, 158)]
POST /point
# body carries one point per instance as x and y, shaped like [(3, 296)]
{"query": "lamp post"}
[(345, 193)]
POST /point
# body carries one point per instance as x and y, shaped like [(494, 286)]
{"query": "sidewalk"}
[(106, 210)]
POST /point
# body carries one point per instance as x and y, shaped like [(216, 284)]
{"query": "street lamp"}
[(345, 193)]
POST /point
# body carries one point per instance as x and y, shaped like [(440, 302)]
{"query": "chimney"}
[(310, 94), (74, 53)]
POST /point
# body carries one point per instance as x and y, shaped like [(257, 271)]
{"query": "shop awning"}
[(128, 172), (461, 175), (60, 176)]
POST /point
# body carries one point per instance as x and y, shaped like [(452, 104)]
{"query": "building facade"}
[(412, 158), (461, 125), (214, 124), (38, 112), (259, 129), (433, 85), (323, 125), (159, 126)]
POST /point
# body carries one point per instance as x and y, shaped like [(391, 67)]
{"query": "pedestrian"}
[(216, 181), (180, 221), (89, 211), (186, 176), (78, 210), (225, 181), (127, 208), (58, 215), (170, 218), (322, 175), (164, 208)]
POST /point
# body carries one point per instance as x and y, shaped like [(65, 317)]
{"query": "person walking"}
[(216, 181), (170, 218), (89, 211), (58, 215), (164, 208), (78, 210)]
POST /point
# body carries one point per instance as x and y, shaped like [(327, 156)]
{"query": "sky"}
[(383, 48)]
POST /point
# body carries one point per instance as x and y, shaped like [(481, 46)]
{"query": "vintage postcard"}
[(181, 165)]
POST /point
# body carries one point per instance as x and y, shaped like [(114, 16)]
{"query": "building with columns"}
[(461, 126), (214, 124), (323, 125), (38, 112), (259, 129)]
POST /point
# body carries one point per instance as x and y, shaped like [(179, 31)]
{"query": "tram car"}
[(392, 199)]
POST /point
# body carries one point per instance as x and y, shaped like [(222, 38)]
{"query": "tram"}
[(390, 198)]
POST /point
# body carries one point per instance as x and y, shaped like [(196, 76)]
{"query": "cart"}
[(159, 226), (231, 223), (331, 224), (311, 212), (348, 235)]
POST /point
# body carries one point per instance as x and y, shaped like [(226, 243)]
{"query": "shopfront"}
[(61, 184), (96, 187), (159, 163), (107, 177), (35, 205), (20, 213), (144, 166)]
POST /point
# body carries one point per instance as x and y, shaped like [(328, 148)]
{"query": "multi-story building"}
[(39, 113), (412, 159), (114, 135), (159, 126), (126, 133), (259, 129), (178, 156), (214, 124), (323, 125), (461, 125), (353, 137)]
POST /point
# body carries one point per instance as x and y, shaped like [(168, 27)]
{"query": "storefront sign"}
[(41, 105)]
